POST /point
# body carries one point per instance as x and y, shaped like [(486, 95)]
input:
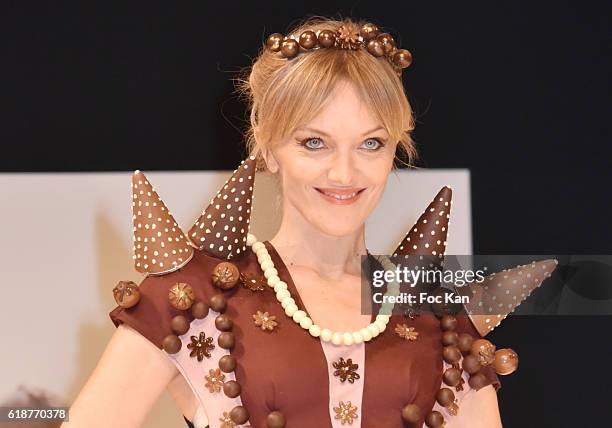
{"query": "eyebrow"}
[(318, 131)]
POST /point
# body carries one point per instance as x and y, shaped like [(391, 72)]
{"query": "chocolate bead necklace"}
[(479, 352), (301, 317), (153, 257)]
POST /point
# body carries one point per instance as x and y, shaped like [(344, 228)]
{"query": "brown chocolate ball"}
[(276, 419), (470, 364), (179, 324), (273, 42), (181, 296), (387, 42), (452, 376), (171, 344), (448, 323), (451, 354), (239, 415), (308, 39), (477, 381), (231, 388), (484, 351), (227, 363), (375, 48), (465, 342), (225, 275), (226, 340), (506, 361), (199, 309), (224, 323), (434, 419), (327, 38), (369, 31), (402, 58), (445, 396), (218, 303), (450, 338), (289, 48), (411, 413), (126, 294)]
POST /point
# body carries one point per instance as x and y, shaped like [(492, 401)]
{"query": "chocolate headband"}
[(369, 37)]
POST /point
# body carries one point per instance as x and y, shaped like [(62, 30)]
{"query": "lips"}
[(340, 196)]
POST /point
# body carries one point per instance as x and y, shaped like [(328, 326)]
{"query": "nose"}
[(342, 169)]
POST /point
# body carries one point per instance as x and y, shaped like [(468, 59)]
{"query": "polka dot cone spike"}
[(500, 293), (428, 234), (160, 246), (222, 228)]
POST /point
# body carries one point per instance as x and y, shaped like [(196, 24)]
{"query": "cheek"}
[(377, 172), (300, 171)]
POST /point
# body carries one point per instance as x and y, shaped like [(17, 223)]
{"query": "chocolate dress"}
[(286, 376)]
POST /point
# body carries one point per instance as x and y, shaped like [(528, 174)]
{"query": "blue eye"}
[(376, 146), (307, 143), (316, 143)]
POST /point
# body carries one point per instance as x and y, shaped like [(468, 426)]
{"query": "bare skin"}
[(320, 240), (128, 379)]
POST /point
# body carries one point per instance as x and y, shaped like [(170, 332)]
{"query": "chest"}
[(289, 370), (332, 304)]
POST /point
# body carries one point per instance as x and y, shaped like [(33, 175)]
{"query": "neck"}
[(300, 243)]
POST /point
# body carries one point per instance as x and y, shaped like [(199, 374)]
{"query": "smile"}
[(340, 196)]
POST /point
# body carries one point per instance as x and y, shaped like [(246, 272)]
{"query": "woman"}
[(270, 334)]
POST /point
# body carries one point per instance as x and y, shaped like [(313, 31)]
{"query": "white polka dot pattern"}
[(222, 228), (428, 235), (500, 293), (160, 246)]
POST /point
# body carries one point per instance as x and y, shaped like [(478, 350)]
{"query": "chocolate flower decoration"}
[(201, 346)]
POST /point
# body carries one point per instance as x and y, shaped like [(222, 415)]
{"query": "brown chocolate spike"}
[(428, 234), (500, 293), (160, 246), (222, 228)]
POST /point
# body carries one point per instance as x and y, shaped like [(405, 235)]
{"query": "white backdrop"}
[(66, 242)]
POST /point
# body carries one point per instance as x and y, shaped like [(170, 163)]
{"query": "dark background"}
[(518, 92)]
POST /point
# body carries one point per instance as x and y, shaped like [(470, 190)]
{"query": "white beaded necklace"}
[(300, 317)]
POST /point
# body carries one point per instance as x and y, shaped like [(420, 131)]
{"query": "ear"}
[(270, 160), (265, 153)]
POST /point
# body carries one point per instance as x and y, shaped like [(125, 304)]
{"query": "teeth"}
[(333, 195)]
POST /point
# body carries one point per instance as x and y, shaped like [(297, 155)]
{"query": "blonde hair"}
[(284, 94)]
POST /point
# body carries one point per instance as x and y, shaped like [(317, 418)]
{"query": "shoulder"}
[(183, 295), (186, 273)]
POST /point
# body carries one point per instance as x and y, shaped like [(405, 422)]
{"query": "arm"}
[(128, 379), (478, 409)]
